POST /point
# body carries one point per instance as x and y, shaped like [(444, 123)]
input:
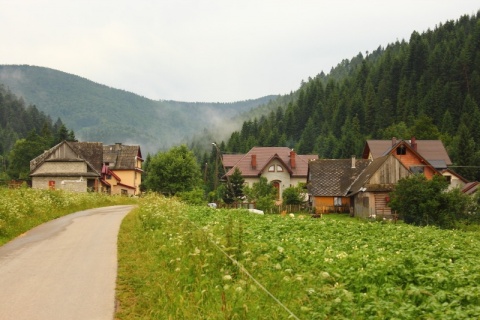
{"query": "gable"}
[(431, 150)]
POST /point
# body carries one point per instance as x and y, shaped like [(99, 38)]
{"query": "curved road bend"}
[(63, 269)]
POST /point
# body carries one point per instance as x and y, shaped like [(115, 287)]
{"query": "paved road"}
[(65, 269)]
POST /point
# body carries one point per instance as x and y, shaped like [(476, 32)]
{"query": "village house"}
[(88, 166), (329, 182), (72, 166), (357, 186), (122, 169), (281, 166)]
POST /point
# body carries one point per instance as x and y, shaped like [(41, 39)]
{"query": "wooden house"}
[(281, 166), (370, 191), (72, 166), (122, 169), (419, 156)]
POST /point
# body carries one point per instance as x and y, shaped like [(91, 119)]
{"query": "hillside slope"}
[(99, 113)]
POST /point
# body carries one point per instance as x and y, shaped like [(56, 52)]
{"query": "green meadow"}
[(185, 262)]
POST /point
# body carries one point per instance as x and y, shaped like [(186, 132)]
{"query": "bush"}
[(425, 202)]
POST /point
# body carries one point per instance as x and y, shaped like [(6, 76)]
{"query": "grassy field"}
[(24, 208), (181, 262)]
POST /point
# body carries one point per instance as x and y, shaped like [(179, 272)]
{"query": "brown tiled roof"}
[(334, 177), (264, 155), (229, 160), (430, 150), (121, 157), (470, 187), (92, 152)]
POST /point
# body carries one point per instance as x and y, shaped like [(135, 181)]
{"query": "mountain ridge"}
[(97, 112)]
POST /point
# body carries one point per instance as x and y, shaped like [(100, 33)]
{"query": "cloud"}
[(208, 50)]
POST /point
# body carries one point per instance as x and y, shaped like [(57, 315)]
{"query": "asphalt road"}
[(65, 269)]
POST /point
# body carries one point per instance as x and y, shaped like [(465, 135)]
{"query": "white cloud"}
[(208, 50)]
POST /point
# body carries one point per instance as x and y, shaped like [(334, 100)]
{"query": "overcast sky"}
[(210, 51)]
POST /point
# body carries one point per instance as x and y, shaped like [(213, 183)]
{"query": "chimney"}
[(394, 141), (118, 146), (353, 162), (292, 159), (413, 142), (254, 161)]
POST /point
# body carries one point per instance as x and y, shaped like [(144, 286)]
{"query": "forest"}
[(25, 132), (428, 87)]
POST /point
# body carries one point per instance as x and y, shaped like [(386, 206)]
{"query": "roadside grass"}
[(24, 208), (180, 262)]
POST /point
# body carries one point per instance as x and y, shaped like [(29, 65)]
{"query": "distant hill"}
[(100, 113)]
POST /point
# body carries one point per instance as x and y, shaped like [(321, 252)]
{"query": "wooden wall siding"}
[(326, 205), (389, 173), (63, 152), (381, 207)]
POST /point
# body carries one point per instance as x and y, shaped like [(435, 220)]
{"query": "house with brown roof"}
[(419, 156), (370, 191), (281, 166), (122, 169), (329, 183), (358, 186), (72, 166)]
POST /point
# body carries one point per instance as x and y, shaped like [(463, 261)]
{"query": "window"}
[(401, 150), (271, 169), (449, 179), (416, 169), (279, 168), (337, 201)]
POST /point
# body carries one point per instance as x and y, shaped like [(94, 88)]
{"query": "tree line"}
[(25, 132), (428, 87)]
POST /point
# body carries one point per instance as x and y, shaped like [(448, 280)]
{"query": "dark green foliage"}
[(236, 182), (424, 88), (25, 133), (263, 193), (425, 202), (293, 195), (173, 171)]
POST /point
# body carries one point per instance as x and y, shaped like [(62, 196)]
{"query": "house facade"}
[(420, 156), (281, 166), (358, 186), (329, 182), (71, 166), (89, 166), (122, 169), (370, 192)]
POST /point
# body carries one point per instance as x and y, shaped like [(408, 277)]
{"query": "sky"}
[(208, 50)]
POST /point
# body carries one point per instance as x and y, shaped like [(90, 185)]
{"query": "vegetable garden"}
[(184, 262)]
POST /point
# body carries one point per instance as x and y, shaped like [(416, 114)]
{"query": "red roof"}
[(264, 156)]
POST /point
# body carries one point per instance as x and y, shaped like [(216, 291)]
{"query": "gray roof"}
[(334, 177), (121, 157)]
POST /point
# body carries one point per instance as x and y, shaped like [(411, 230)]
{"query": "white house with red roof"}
[(281, 166)]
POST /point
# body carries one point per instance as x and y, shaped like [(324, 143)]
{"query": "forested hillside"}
[(428, 87), (99, 113), (25, 132)]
